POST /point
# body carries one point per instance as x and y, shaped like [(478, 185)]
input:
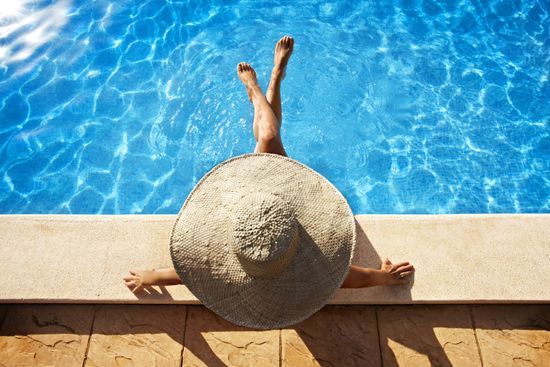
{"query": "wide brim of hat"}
[(202, 255)]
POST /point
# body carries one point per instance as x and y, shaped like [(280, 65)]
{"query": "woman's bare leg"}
[(283, 50), (267, 131), (388, 274)]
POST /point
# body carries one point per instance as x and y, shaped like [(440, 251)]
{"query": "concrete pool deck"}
[(458, 258)]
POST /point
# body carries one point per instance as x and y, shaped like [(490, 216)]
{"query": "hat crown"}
[(264, 234)]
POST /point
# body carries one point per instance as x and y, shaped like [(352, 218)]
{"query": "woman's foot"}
[(283, 50), (247, 75)]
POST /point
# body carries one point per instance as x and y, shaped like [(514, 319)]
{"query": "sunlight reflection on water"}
[(26, 27)]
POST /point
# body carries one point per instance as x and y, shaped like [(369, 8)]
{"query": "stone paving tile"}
[(436, 335), (513, 335), (137, 335), (334, 336), (214, 342), (45, 335)]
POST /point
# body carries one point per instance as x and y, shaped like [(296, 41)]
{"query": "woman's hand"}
[(139, 279), (397, 273)]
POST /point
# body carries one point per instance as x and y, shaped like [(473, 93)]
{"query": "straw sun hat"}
[(263, 241)]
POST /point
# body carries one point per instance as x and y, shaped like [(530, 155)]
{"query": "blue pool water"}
[(406, 106)]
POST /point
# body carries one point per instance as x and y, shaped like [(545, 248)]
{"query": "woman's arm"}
[(141, 278), (359, 277)]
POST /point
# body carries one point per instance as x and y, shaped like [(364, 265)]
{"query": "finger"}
[(387, 261), (129, 282), (130, 277), (402, 264), (133, 272), (404, 268), (397, 266), (406, 273)]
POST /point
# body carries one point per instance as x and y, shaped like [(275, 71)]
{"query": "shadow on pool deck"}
[(365, 255), (151, 293)]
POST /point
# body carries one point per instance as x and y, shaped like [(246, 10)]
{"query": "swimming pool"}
[(121, 107)]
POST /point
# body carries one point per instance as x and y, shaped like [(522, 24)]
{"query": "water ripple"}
[(121, 107)]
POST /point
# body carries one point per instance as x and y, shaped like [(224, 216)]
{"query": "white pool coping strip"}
[(458, 258)]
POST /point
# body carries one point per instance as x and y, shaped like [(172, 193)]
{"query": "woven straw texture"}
[(202, 242)]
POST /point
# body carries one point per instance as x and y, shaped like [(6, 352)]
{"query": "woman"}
[(266, 129)]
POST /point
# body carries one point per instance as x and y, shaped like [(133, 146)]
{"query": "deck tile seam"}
[(184, 330), (90, 336), (280, 348), (378, 333), (475, 334)]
